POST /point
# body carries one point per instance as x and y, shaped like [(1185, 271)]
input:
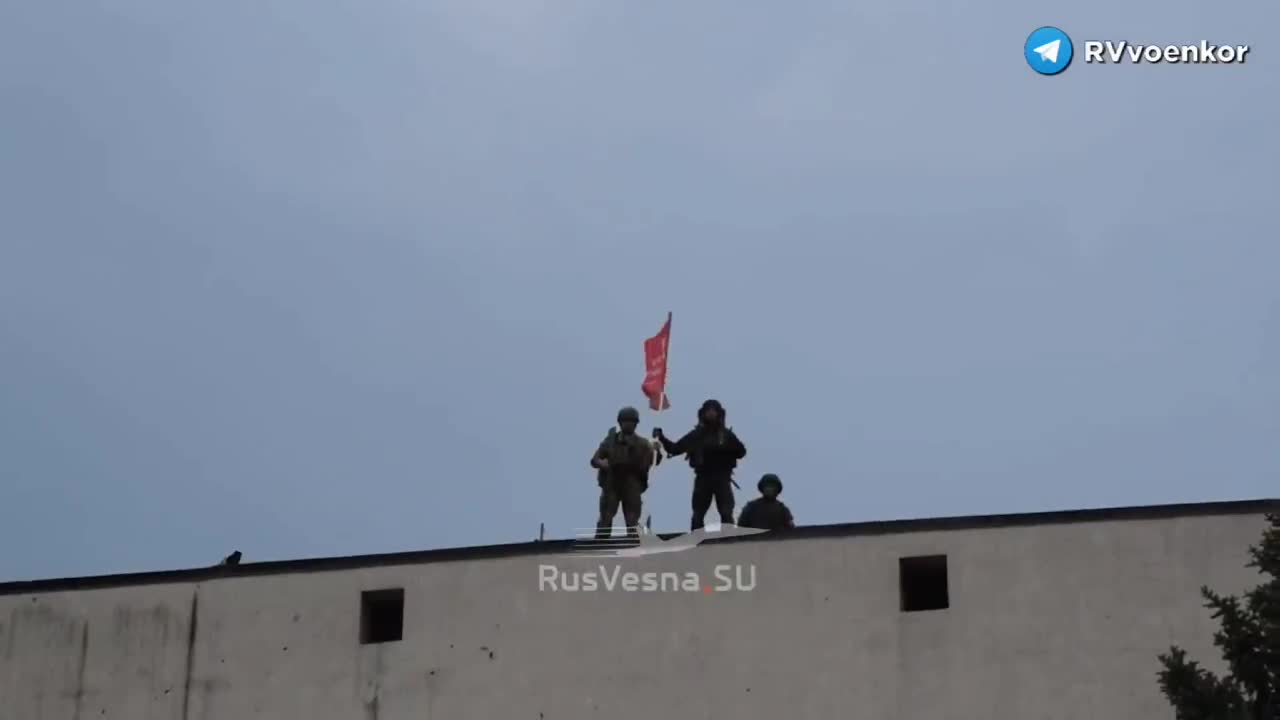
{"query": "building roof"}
[(879, 527)]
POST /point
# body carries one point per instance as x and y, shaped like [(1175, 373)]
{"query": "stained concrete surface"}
[(1045, 622)]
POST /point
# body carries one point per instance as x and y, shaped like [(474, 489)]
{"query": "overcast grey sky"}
[(325, 278)]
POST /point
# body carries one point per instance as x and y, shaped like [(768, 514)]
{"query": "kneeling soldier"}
[(767, 512)]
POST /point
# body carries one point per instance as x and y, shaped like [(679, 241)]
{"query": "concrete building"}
[(1026, 617)]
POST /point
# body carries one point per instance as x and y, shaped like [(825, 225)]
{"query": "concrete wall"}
[(1058, 621)]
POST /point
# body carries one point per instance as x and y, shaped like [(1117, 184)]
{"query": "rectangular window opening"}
[(922, 583), (381, 616)]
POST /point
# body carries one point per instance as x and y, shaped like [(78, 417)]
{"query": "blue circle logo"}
[(1048, 51)]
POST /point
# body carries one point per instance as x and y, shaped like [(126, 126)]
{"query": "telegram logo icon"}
[(1048, 51)]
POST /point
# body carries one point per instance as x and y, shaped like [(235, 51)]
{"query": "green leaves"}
[(1249, 639)]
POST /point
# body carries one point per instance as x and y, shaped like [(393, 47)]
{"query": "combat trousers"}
[(708, 487), (621, 491)]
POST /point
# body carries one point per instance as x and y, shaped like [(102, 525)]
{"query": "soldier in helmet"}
[(713, 451), (622, 463), (767, 512)]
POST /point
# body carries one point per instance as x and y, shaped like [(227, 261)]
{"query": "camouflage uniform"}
[(767, 513), (625, 478)]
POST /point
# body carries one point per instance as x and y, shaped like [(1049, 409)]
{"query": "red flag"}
[(655, 367)]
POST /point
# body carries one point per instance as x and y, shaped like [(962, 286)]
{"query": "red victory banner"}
[(654, 386)]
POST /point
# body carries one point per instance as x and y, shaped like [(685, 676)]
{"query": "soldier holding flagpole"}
[(712, 448)]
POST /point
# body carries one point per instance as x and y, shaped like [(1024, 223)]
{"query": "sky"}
[(309, 279)]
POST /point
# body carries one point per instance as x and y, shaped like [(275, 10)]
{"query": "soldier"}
[(767, 512), (713, 451), (622, 462)]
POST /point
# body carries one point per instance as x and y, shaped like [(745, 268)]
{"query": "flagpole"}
[(666, 379), (657, 446), (661, 402)]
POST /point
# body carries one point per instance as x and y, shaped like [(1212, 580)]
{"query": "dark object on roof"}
[(878, 527)]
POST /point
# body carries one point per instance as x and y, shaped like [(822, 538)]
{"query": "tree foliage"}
[(1249, 639)]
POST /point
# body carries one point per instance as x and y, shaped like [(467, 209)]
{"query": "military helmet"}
[(628, 414), (769, 479), (711, 404)]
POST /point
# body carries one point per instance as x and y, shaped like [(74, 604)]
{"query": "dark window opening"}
[(381, 616), (922, 583)]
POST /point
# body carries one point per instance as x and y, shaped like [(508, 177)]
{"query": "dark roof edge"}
[(878, 527)]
